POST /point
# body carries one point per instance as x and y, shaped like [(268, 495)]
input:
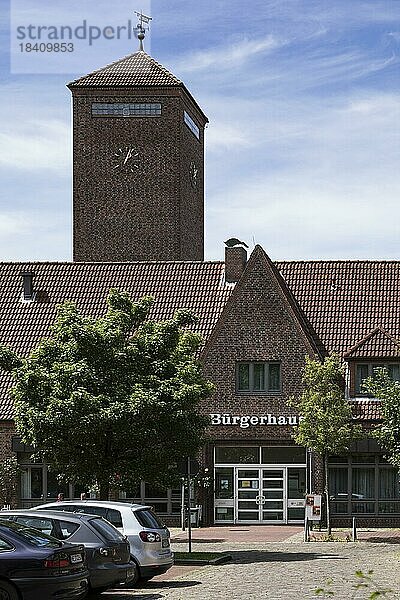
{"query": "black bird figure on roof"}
[(235, 242)]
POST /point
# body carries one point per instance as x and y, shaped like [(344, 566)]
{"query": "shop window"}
[(224, 513), (283, 455), (375, 488), (32, 482), (223, 483), (365, 370), (237, 455), (258, 377), (389, 486), (296, 483), (363, 483)]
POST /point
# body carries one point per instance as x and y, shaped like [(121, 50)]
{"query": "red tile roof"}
[(344, 301), (350, 305), (366, 409), (138, 69), (198, 286), (378, 343)]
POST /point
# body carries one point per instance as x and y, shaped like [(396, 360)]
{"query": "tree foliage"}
[(9, 471), (326, 425), (113, 400), (388, 434)]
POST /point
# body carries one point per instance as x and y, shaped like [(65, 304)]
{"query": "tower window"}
[(191, 124), (119, 109)]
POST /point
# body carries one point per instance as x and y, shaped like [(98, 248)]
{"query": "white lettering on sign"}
[(244, 421)]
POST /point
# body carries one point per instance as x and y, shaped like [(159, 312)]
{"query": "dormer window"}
[(28, 293), (365, 370)]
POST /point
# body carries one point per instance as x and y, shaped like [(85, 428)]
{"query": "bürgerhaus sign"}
[(245, 421)]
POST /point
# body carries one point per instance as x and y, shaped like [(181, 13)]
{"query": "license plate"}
[(76, 558), (165, 543)]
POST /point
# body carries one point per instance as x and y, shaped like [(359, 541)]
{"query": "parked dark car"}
[(36, 566), (107, 550)]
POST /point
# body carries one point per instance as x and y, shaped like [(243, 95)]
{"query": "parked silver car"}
[(149, 538)]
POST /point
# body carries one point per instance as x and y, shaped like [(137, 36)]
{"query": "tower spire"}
[(141, 27)]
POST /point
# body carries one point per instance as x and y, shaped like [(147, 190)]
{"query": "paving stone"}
[(279, 571)]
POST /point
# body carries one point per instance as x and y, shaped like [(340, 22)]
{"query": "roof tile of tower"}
[(138, 69)]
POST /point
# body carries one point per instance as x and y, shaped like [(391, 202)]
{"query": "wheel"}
[(7, 591)]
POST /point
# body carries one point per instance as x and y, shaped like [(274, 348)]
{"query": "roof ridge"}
[(102, 263), (337, 261)]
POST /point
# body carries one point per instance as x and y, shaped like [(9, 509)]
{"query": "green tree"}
[(326, 425), (9, 471), (112, 400), (388, 434)]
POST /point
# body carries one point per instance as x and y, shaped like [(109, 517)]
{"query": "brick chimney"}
[(235, 262)]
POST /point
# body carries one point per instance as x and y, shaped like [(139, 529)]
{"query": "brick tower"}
[(138, 160)]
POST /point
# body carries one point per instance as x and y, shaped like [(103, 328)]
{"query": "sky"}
[(303, 99)]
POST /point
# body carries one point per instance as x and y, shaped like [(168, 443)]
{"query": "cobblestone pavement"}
[(289, 570)]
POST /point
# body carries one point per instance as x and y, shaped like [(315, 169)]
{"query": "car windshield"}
[(107, 530), (32, 536), (147, 518)]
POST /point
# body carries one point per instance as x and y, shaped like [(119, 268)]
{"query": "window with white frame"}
[(258, 377)]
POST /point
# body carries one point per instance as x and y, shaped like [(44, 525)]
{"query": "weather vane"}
[(140, 29)]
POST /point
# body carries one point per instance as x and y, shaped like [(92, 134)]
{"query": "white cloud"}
[(36, 234), (12, 224), (321, 182), (225, 135), (233, 54), (36, 145)]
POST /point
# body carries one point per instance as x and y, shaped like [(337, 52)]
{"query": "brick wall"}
[(154, 213), (257, 324)]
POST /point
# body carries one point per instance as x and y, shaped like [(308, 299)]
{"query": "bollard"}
[(354, 531), (306, 530)]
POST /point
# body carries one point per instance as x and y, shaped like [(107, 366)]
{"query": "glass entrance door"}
[(260, 495)]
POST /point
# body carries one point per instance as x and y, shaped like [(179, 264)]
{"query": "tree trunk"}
[(104, 487), (327, 499)]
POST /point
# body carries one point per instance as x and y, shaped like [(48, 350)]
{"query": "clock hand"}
[(128, 156)]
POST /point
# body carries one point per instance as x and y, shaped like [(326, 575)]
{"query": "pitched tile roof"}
[(346, 300), (350, 305), (138, 69), (198, 286)]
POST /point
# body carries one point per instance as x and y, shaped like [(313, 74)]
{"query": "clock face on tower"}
[(126, 159), (193, 173)]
